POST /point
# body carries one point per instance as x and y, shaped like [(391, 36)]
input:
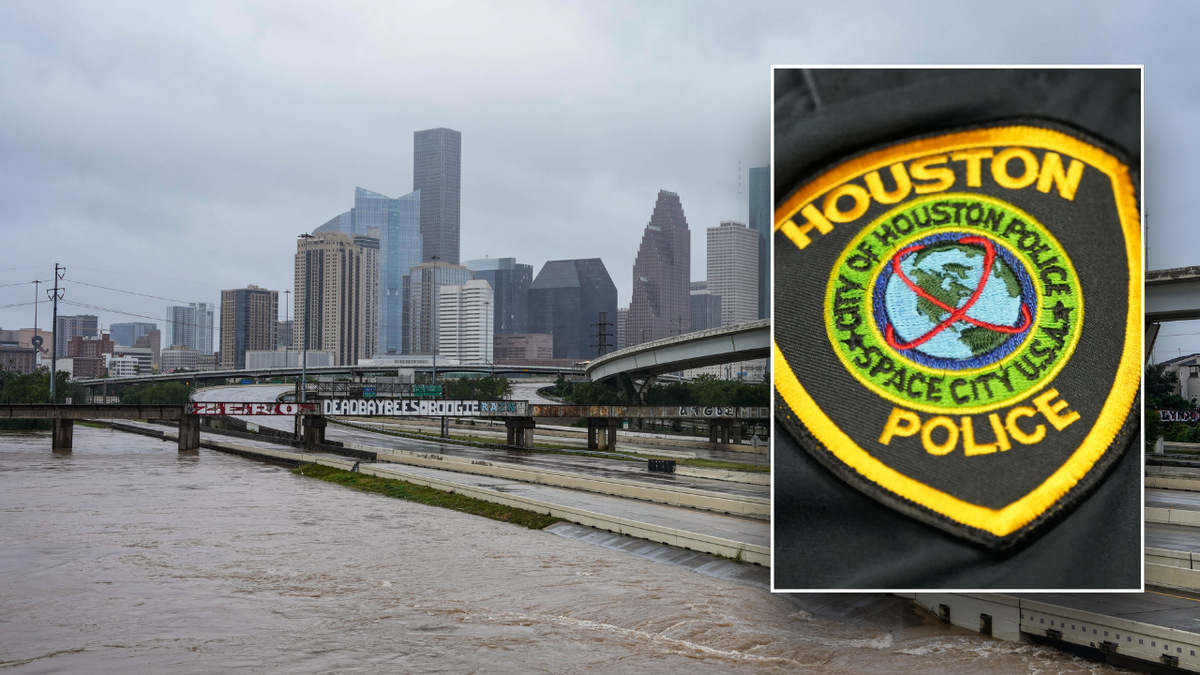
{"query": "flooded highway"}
[(125, 557)]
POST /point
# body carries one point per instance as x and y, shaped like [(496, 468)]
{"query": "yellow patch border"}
[(1006, 520), (1068, 350)]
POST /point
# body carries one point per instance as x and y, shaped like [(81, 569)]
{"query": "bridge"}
[(647, 361), (1171, 295), (354, 371)]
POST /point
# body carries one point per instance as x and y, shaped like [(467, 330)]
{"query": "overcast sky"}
[(176, 149)]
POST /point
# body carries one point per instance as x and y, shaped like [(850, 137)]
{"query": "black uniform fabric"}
[(829, 534)]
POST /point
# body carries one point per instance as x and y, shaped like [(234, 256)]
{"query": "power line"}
[(19, 304), (117, 311), (22, 283), (147, 276), (118, 290)]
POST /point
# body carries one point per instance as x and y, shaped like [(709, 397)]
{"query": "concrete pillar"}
[(529, 433), (592, 434), (612, 434), (445, 427), (510, 433), (63, 432), (314, 429), (712, 431), (189, 433), (735, 432)]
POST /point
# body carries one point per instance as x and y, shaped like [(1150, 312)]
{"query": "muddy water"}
[(123, 557)]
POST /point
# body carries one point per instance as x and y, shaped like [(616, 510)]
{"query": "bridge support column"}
[(189, 433), (613, 425), (592, 429), (714, 431), (735, 432), (62, 433), (520, 431), (314, 429)]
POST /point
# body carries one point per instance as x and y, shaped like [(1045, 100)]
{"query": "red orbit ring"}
[(959, 314)]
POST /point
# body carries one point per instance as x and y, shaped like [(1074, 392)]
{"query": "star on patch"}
[(1061, 312), (854, 342)]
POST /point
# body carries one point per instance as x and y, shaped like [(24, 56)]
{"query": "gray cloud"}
[(194, 141)]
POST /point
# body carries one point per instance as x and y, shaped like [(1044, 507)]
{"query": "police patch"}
[(958, 323)]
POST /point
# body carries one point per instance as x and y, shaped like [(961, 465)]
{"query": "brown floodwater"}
[(125, 557)]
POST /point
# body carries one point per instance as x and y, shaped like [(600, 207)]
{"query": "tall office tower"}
[(465, 322), (660, 306), (191, 326), (248, 320), (153, 342), (397, 225), (760, 222), (565, 300), (622, 315), (437, 175), (84, 325), (510, 284), (706, 307), (336, 303), (125, 334), (421, 302), (283, 333), (733, 271)]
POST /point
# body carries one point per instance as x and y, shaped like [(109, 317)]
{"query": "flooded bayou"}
[(125, 557)]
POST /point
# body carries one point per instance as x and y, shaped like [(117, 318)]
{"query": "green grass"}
[(398, 489)]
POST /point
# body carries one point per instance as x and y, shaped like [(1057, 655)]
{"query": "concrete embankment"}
[(498, 494), (1116, 628), (675, 496)]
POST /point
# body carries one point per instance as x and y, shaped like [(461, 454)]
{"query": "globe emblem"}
[(954, 301)]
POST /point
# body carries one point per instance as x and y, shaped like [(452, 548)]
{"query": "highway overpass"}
[(728, 344)]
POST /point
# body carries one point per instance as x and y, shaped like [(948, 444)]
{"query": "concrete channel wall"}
[(1184, 517), (1170, 483), (1118, 641), (756, 507)]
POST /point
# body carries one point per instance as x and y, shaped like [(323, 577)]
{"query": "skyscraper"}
[(733, 271), (565, 300), (125, 334), (760, 222), (510, 285), (337, 296), (437, 175), (421, 302), (706, 307), (465, 328), (660, 306), (67, 327), (397, 225), (248, 320), (191, 325)]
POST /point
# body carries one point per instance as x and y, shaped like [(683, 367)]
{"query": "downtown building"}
[(336, 296), (421, 299), (706, 307), (660, 305), (437, 175), (567, 300), (191, 325), (248, 320), (126, 334), (760, 222), (733, 271), (67, 327), (510, 287), (396, 223), (465, 322)]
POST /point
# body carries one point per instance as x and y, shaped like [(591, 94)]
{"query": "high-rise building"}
[(706, 307), (396, 223), (760, 222), (565, 300), (248, 319), (465, 322), (336, 302), (191, 326), (510, 285), (126, 334), (67, 327), (523, 347), (733, 271), (153, 342), (283, 333), (622, 316), (660, 306), (421, 302), (437, 175)]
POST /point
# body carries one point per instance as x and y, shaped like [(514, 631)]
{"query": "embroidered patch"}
[(958, 322)]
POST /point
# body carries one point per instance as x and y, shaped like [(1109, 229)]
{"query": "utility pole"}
[(55, 295), (36, 340)]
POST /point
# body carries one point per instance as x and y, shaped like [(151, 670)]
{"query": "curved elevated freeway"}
[(728, 344)]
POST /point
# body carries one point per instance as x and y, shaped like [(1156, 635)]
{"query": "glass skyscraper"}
[(566, 299), (397, 225), (510, 285), (437, 175)]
